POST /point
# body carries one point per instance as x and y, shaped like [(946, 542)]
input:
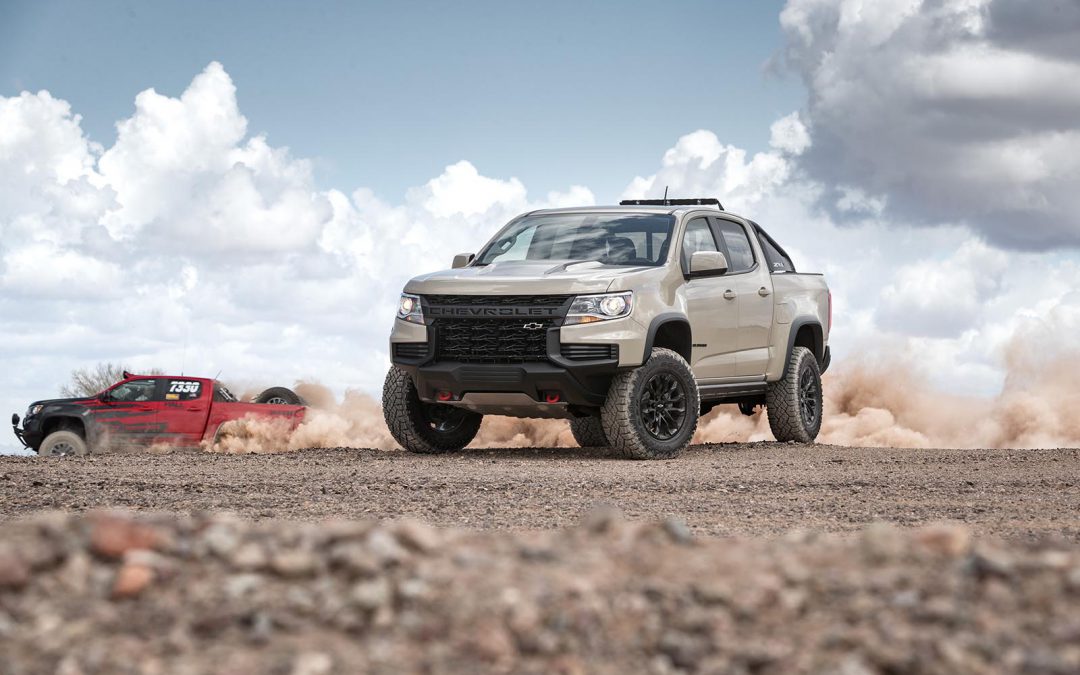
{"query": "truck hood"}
[(59, 401), (524, 277)]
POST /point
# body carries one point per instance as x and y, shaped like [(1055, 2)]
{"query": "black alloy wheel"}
[(663, 406), (809, 397)]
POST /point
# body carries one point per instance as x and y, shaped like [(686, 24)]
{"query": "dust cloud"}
[(868, 402), (882, 403), (357, 422)]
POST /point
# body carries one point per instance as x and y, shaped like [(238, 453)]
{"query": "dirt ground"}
[(717, 490), (105, 593)]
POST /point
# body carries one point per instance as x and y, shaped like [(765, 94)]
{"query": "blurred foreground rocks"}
[(109, 592)]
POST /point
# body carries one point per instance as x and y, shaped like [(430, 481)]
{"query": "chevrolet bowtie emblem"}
[(533, 326)]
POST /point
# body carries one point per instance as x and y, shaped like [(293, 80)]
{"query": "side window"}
[(183, 390), (778, 262), (697, 237), (740, 255), (136, 390)]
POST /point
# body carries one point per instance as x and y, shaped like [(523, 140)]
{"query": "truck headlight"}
[(409, 308), (602, 307), (33, 410)]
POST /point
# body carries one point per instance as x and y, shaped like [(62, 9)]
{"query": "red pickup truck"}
[(142, 410)]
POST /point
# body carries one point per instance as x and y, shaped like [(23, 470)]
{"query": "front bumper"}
[(519, 389), (30, 435)]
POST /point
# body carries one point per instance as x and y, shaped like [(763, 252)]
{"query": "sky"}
[(244, 188), (381, 93)]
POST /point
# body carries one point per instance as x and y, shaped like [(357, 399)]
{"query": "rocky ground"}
[(718, 490), (761, 558), (105, 593)]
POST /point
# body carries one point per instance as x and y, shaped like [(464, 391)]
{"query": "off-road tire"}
[(588, 432), (621, 415), (57, 440), (786, 400), (279, 396), (409, 421)]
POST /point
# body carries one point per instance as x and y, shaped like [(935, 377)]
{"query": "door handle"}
[(729, 294), (763, 292), (193, 408)]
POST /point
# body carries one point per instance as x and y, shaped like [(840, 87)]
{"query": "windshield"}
[(608, 238)]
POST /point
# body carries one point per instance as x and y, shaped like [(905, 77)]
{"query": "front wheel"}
[(62, 443), (794, 404), (426, 428), (651, 412)]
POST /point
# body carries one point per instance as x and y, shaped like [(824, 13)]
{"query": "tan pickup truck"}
[(629, 321)]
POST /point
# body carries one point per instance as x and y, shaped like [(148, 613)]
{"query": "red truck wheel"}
[(279, 396)]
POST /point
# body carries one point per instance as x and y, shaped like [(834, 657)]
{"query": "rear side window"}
[(183, 390), (697, 237), (740, 255), (778, 262)]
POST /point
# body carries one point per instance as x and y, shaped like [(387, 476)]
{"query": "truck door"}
[(184, 410), (713, 314), (753, 285), (128, 414)]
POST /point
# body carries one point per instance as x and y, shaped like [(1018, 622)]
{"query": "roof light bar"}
[(699, 201)]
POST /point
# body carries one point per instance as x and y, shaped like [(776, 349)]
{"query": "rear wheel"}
[(651, 412), (279, 396), (588, 432), (61, 444), (794, 404), (421, 427)]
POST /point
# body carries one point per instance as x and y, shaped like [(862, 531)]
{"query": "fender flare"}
[(659, 321), (75, 420), (819, 348)]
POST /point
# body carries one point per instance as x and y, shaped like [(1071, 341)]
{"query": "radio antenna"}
[(665, 196)]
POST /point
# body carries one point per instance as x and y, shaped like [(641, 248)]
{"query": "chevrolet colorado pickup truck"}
[(630, 321), (141, 410)]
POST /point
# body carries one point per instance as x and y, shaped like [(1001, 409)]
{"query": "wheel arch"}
[(671, 331), (805, 332), (64, 423)]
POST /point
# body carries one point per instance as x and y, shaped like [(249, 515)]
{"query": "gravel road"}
[(718, 490)]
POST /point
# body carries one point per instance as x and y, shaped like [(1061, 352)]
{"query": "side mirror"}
[(105, 397), (708, 264), (462, 260)]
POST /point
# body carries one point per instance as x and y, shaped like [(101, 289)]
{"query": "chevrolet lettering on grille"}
[(465, 312)]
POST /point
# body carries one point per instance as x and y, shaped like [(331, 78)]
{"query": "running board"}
[(730, 391)]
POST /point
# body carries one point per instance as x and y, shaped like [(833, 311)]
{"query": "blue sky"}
[(384, 94)]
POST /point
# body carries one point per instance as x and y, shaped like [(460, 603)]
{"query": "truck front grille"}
[(491, 340), (498, 300)]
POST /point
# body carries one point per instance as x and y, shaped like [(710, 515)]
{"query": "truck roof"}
[(668, 210)]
